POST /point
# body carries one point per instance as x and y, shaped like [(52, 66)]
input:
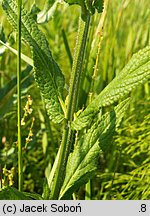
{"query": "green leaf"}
[(46, 190), (82, 163), (99, 4), (11, 193), (109, 122), (88, 5), (81, 3), (46, 71), (33, 196), (136, 72), (71, 2), (81, 166)]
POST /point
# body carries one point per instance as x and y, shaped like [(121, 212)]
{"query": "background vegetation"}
[(124, 170)]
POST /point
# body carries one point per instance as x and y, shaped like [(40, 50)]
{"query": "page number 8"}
[(143, 208)]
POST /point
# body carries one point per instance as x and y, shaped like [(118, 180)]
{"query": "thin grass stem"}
[(20, 173)]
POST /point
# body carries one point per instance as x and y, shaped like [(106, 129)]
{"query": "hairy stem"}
[(72, 106), (20, 173)]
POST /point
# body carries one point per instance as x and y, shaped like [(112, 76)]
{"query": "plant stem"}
[(72, 106), (20, 173)]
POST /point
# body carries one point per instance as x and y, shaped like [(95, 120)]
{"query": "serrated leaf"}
[(99, 4), (87, 6), (82, 163), (47, 73), (110, 122), (136, 72), (81, 166)]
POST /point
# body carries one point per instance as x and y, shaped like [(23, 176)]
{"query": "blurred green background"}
[(124, 171)]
